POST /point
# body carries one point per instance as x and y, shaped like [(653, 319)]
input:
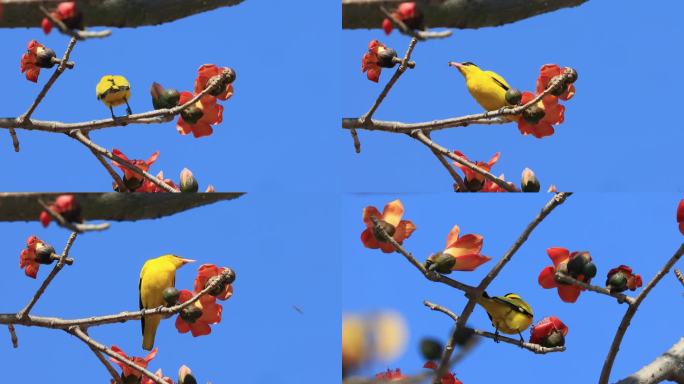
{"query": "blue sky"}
[(262, 338), (634, 229), (271, 130), (607, 143)]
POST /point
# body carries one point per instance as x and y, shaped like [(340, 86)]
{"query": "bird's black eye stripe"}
[(469, 63)]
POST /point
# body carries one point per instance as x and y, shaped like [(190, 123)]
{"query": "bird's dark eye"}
[(469, 63)]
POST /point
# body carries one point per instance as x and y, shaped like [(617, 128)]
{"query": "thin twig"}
[(55, 75), (78, 332), (115, 375), (416, 34), (555, 201), (23, 314), (83, 139), (13, 335), (679, 276), (436, 148), (15, 139), (75, 34), (226, 277), (121, 186), (621, 298), (459, 184), (631, 311), (488, 117), (536, 348), (75, 227)]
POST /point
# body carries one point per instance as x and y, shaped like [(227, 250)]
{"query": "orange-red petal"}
[(569, 293), (469, 262), (452, 237), (546, 278), (368, 212), (369, 240), (558, 255), (466, 245), (393, 212)]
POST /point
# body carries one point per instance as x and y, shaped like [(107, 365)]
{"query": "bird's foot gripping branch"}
[(198, 111), (535, 113), (196, 310), (571, 274)]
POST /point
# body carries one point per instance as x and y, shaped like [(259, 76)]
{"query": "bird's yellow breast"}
[(155, 276), (113, 90)]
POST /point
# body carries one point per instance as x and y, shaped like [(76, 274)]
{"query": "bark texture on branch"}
[(110, 206), (110, 13), (460, 14), (665, 367)]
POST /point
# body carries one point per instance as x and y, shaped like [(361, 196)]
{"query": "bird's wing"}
[(142, 319), (525, 309), (498, 80)]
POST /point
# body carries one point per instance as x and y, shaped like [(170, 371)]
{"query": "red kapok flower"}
[(67, 207), (67, 13), (199, 118), (546, 74), (36, 252), (474, 180), (465, 251), (372, 63), (447, 378), (204, 273), (561, 258), (621, 278), (408, 13), (680, 216), (549, 332), (208, 71), (143, 165), (35, 58), (390, 375), (391, 222), (128, 371), (210, 314)]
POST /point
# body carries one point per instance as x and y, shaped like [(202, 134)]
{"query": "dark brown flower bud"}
[(44, 58), (431, 349), (388, 228), (513, 96), (44, 253), (192, 114), (572, 77), (191, 314), (170, 295), (533, 114), (386, 57), (440, 262)]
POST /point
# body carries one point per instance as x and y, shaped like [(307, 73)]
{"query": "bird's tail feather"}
[(149, 331)]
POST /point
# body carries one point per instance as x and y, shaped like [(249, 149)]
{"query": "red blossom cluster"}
[(447, 378), (549, 332), (391, 222), (539, 119), (205, 112), (67, 13), (376, 58), (65, 206), (461, 253), (622, 278), (396, 375), (408, 13), (198, 317), (138, 183), (475, 181), (36, 252)]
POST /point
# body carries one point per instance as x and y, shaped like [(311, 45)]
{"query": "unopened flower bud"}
[(441, 262), (163, 98), (473, 185), (589, 270), (560, 89), (188, 183), (555, 339), (431, 349), (513, 96), (529, 183), (577, 263), (170, 295), (463, 335), (230, 75), (185, 376), (572, 77)]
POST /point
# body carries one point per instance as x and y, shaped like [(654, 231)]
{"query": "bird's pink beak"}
[(186, 261), (455, 64)]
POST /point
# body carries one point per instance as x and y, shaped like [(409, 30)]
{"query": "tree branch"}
[(75, 227), (555, 201), (75, 34), (536, 348), (420, 35), (460, 14), (660, 369), (621, 298), (13, 335), (111, 206), (631, 311)]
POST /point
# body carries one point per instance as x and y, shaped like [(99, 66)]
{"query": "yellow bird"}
[(487, 88), (113, 90), (509, 313), (156, 275)]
